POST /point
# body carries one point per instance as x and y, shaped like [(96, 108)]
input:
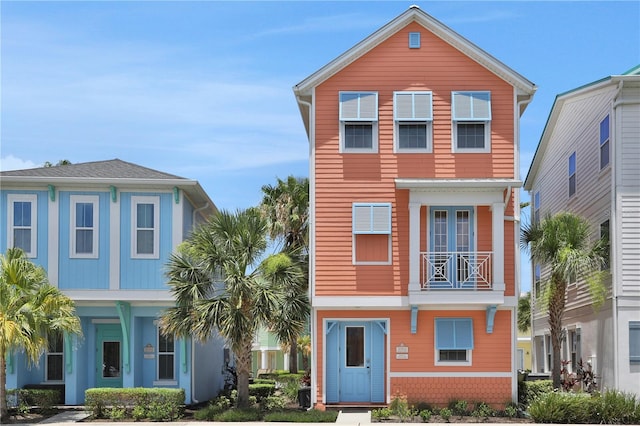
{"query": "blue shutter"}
[(634, 342), (454, 333)]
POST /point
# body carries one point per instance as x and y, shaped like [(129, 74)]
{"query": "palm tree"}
[(30, 310), (220, 284), (286, 207), (524, 312), (562, 243)]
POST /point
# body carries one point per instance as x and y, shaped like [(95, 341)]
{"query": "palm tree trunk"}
[(293, 356), (243, 370), (556, 311), (3, 385)]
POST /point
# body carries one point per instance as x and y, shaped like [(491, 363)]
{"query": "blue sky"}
[(203, 89)]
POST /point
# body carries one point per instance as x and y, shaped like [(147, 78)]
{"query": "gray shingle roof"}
[(109, 169)]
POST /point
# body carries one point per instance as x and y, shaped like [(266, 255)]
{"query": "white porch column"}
[(286, 361), (497, 225), (414, 247), (263, 360)]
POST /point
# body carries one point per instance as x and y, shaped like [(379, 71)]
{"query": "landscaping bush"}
[(562, 407), (159, 404), (261, 391), (529, 391), (445, 414), (45, 399), (383, 413), (615, 407), (311, 416), (264, 382)]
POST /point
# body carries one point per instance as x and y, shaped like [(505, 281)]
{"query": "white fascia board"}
[(356, 302), (438, 185)]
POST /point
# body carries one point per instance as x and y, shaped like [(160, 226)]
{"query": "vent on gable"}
[(414, 40)]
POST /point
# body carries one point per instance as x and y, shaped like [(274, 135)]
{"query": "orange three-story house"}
[(415, 218)]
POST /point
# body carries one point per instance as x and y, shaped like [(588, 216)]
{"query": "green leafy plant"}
[(562, 407), (383, 413), (273, 402), (445, 414), (425, 415), (483, 411), (510, 411), (138, 413), (459, 408), (239, 415), (117, 413)]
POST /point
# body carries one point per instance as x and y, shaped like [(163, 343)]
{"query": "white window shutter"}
[(358, 106), (471, 106), (413, 106), (371, 218), (381, 219)]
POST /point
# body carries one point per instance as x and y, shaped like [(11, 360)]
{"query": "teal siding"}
[(89, 274), (141, 274)]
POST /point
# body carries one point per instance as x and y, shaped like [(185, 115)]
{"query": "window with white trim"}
[(84, 226), (572, 174), (54, 363), (604, 143), (536, 280), (548, 352), (145, 221), (359, 122), (413, 118), (22, 223), (166, 356), (536, 207), (575, 347), (371, 224), (454, 341), (471, 117)]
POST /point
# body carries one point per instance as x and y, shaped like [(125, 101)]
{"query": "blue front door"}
[(109, 356), (355, 361)]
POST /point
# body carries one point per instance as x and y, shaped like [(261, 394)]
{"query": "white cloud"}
[(12, 163)]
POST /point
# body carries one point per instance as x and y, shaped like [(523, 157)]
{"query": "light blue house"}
[(104, 231)]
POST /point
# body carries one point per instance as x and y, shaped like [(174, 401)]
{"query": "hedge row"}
[(43, 398), (158, 404)]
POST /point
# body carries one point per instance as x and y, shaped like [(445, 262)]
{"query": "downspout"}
[(312, 243), (612, 239)]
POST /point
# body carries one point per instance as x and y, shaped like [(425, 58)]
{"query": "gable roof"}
[(630, 76), (304, 89), (116, 172)]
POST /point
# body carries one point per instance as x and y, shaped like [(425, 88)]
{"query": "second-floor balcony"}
[(465, 271)]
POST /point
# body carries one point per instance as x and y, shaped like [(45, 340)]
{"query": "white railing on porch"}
[(456, 270)]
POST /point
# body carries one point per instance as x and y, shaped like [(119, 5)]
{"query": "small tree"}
[(30, 311), (562, 242), (524, 312)]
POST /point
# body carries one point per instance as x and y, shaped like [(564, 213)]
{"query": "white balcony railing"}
[(456, 270)]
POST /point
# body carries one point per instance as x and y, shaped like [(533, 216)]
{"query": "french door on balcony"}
[(451, 253)]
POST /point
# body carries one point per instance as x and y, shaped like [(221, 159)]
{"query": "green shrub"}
[(510, 411), (167, 404), (445, 414), (139, 413), (311, 416), (261, 391), (209, 412), (483, 411), (562, 407), (117, 413), (44, 399), (273, 402), (529, 391), (264, 382), (615, 407), (239, 415), (425, 415), (383, 413), (459, 407)]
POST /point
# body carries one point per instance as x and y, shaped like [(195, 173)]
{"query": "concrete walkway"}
[(354, 418)]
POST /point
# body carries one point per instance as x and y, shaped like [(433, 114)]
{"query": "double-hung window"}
[(359, 122), (372, 233), (22, 223), (145, 218), (604, 143), (575, 347), (471, 116), (454, 341), (572, 174), (55, 357), (166, 357), (634, 342), (413, 117), (84, 226)]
